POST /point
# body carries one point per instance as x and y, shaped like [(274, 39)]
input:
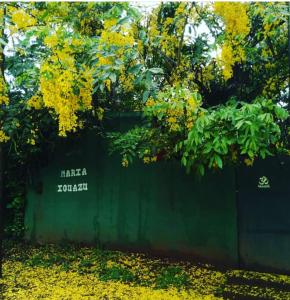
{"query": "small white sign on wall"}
[(263, 183), (73, 187), (73, 172)]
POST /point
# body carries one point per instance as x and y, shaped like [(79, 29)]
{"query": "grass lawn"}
[(73, 272)]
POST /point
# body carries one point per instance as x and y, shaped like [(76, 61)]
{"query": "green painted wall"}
[(264, 214), (156, 208), (225, 217)]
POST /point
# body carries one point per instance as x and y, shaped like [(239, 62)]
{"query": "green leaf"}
[(281, 113), (145, 96), (124, 20), (156, 71), (184, 161), (200, 170), (135, 69), (113, 77), (2, 42), (219, 161)]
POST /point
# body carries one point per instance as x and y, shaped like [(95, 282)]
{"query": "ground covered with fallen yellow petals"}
[(73, 272)]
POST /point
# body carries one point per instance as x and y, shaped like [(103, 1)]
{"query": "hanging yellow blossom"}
[(177, 106), (108, 84), (31, 141), (59, 94), (237, 27), (65, 88), (125, 162), (249, 161), (150, 102), (235, 17), (228, 60), (115, 43), (35, 102), (127, 81), (109, 23), (22, 19), (51, 41), (3, 92), (146, 159), (123, 38), (100, 113), (3, 137)]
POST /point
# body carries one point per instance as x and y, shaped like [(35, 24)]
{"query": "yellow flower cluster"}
[(117, 42), (229, 56), (1, 14), (35, 102), (3, 92), (149, 159), (118, 37), (51, 40), (163, 36), (58, 94), (127, 81), (249, 161), (65, 88), (271, 85), (168, 35), (205, 75), (86, 80), (31, 141), (179, 109), (109, 23), (3, 137), (168, 44), (272, 24), (153, 30), (235, 17), (99, 111), (103, 61), (181, 9), (33, 137), (237, 27), (125, 162), (77, 42), (22, 19)]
